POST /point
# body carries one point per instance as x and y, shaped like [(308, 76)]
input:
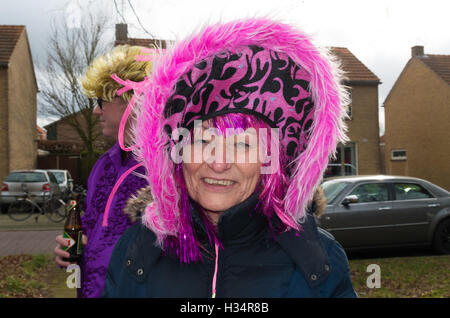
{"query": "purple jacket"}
[(101, 240)]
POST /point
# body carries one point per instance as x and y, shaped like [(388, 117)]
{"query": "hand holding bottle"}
[(70, 244), (61, 254)]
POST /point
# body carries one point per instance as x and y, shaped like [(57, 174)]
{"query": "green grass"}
[(425, 276), (58, 287), (26, 276)]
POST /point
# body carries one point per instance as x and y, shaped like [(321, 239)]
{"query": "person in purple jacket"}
[(110, 182)]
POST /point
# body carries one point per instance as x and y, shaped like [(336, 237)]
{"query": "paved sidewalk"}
[(27, 242), (31, 224)]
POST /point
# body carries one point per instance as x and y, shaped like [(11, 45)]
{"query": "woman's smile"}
[(217, 185)]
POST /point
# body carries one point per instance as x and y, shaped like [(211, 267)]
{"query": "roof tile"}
[(9, 35), (354, 69), (440, 64)]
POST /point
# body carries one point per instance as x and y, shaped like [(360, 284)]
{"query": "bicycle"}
[(79, 193), (24, 207)]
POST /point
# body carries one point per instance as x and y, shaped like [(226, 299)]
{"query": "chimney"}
[(417, 51), (121, 32)]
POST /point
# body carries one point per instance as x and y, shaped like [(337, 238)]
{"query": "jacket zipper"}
[(214, 281)]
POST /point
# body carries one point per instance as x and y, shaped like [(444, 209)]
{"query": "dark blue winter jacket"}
[(252, 263)]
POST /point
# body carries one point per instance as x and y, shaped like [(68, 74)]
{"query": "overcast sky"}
[(379, 33)]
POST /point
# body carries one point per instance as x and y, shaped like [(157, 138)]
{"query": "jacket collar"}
[(120, 157), (238, 225), (136, 204)]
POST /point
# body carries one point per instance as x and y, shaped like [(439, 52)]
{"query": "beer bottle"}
[(73, 233)]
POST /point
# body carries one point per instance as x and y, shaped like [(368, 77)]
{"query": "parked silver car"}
[(40, 184), (386, 211), (65, 181)]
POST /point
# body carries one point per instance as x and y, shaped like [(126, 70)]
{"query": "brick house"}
[(65, 146), (61, 130), (361, 155), (18, 103), (417, 112)]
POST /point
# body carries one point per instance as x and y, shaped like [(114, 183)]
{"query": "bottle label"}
[(70, 241), (80, 243)]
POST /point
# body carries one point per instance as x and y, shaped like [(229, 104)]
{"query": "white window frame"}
[(405, 157)]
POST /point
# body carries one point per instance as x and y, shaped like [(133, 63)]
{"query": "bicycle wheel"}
[(55, 209), (20, 210)]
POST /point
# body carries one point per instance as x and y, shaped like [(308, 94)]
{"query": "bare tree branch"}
[(70, 51)]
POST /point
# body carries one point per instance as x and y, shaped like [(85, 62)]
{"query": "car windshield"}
[(26, 177), (59, 176), (332, 189)]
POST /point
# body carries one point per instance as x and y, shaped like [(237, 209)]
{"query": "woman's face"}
[(110, 116), (216, 183)]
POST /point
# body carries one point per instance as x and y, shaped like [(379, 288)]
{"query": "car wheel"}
[(441, 242)]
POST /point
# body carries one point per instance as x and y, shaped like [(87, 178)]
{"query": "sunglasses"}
[(100, 103)]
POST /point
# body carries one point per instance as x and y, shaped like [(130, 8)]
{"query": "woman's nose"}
[(217, 160), (219, 166), (97, 110)]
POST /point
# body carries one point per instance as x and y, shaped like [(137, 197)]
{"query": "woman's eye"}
[(242, 145), (200, 141)]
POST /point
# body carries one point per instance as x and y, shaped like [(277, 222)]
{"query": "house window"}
[(398, 154), (51, 132), (349, 111)]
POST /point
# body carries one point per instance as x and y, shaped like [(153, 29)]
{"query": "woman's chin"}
[(216, 205), (111, 134)]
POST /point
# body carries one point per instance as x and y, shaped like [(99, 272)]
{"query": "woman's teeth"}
[(219, 182)]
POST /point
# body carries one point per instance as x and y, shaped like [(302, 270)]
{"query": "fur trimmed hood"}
[(137, 203), (318, 108)]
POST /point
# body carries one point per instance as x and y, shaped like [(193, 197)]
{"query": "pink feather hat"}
[(165, 105)]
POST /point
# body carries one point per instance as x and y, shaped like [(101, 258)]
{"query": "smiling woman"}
[(244, 96), (226, 176)]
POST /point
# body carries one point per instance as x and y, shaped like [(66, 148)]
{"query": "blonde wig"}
[(97, 82)]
